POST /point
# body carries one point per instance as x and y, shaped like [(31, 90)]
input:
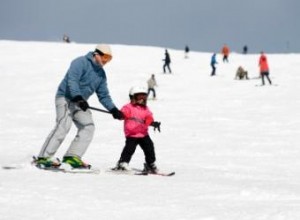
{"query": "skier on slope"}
[(167, 62), (151, 86), (225, 51), (84, 77), (137, 119), (213, 62), (186, 51), (241, 73), (264, 68)]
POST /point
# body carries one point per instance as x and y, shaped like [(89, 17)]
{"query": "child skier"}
[(137, 118)]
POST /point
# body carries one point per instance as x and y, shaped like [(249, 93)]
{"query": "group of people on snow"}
[(241, 73), (84, 78)]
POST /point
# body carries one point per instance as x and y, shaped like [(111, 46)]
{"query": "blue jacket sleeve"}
[(104, 96)]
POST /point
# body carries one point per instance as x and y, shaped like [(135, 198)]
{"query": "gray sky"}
[(204, 25)]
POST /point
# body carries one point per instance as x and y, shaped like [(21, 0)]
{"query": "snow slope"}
[(234, 146)]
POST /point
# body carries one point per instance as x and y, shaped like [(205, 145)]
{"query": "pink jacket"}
[(136, 120)]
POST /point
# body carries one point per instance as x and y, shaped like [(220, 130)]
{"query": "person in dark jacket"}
[(245, 49), (167, 61), (84, 77), (66, 39), (186, 51)]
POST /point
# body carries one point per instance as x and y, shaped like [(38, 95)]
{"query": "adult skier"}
[(84, 77), (225, 51), (264, 68), (213, 63), (167, 62)]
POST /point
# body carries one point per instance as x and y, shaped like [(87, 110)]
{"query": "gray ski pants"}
[(66, 113)]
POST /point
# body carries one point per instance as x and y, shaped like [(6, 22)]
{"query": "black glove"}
[(156, 125), (116, 113), (81, 102)]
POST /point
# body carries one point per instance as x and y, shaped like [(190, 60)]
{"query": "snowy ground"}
[(234, 146)]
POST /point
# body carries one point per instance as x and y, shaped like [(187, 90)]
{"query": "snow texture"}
[(234, 146)]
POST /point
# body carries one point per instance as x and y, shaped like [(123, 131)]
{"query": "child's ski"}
[(159, 173), (121, 172), (138, 172)]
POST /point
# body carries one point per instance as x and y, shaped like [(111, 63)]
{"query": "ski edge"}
[(141, 172)]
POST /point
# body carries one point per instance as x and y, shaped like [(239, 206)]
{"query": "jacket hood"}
[(90, 57)]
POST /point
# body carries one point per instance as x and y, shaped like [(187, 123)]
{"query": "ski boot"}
[(150, 168), (122, 166), (46, 162), (75, 162)]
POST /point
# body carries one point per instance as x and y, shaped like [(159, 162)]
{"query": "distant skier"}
[(245, 49), (66, 38), (137, 119), (241, 73), (186, 52), (84, 77), (264, 68), (167, 62), (213, 63), (225, 51), (151, 86)]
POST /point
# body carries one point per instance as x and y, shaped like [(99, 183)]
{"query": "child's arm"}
[(148, 120)]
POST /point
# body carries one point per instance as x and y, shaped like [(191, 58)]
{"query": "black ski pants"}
[(213, 72), (263, 75), (168, 66), (153, 91), (130, 146)]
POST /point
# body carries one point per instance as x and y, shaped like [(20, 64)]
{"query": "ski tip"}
[(171, 174), (167, 174), (9, 167)]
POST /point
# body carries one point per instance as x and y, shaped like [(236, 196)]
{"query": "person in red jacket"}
[(264, 68)]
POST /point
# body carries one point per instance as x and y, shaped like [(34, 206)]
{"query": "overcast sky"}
[(204, 25)]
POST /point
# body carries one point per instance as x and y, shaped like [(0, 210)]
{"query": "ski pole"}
[(99, 110)]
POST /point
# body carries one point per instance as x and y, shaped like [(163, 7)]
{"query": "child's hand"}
[(156, 125)]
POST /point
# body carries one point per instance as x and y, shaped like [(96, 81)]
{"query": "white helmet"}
[(138, 89), (134, 91)]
